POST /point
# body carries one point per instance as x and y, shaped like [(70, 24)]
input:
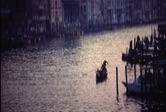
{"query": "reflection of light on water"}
[(59, 74)]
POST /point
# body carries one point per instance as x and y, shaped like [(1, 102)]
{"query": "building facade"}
[(83, 17), (55, 15), (104, 15), (116, 11), (14, 16), (70, 13), (146, 10), (5, 11), (40, 17), (160, 7), (84, 13), (137, 12), (130, 11), (94, 13)]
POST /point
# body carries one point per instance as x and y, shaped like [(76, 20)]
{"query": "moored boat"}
[(136, 87), (101, 74)]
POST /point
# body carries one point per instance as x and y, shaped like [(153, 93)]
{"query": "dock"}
[(150, 54)]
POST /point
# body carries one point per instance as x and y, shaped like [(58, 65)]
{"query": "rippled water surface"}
[(59, 74)]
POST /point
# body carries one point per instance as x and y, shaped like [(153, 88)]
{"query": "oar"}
[(85, 74)]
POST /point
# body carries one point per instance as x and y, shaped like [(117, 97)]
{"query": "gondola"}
[(101, 75)]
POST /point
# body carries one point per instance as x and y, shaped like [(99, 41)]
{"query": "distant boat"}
[(101, 75), (135, 86)]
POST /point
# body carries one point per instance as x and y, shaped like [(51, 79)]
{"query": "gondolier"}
[(103, 67)]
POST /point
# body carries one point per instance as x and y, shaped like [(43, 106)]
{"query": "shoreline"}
[(22, 41)]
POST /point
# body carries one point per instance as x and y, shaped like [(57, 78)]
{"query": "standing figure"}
[(103, 67)]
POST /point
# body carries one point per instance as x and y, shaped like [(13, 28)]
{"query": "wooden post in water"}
[(141, 82), (126, 79), (135, 72), (142, 51), (145, 83), (134, 42), (117, 82), (127, 56)]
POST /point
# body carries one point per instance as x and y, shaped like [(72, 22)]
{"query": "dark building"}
[(130, 11), (161, 9), (71, 13), (137, 11), (20, 16), (39, 17), (5, 11), (55, 15), (14, 16), (14, 20)]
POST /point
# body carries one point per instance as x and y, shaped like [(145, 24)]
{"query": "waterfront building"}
[(70, 13), (116, 11), (55, 15), (40, 17), (161, 9), (164, 9), (83, 17), (32, 17), (146, 10), (104, 15), (94, 13), (137, 12), (154, 10), (5, 11), (140, 11), (129, 11), (83, 13), (14, 18)]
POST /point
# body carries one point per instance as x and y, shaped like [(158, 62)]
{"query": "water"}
[(59, 74)]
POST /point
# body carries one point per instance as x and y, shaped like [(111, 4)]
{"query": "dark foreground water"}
[(59, 74)]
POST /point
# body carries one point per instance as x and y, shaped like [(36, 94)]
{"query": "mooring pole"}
[(141, 82), (134, 42), (127, 56), (142, 51), (117, 82), (126, 79), (135, 72)]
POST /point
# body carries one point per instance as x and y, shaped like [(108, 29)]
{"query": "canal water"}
[(59, 74)]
